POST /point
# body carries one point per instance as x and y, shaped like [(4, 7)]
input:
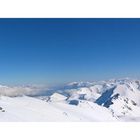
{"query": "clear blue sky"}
[(63, 50)]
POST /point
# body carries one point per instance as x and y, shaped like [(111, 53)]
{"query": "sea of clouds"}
[(14, 91)]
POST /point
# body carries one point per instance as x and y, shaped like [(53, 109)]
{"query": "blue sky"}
[(53, 51)]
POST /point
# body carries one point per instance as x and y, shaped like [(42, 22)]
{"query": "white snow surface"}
[(32, 110), (104, 101)]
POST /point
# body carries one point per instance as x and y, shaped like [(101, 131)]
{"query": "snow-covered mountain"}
[(113, 100)]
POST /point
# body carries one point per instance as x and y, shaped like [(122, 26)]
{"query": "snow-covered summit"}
[(112, 100), (121, 96)]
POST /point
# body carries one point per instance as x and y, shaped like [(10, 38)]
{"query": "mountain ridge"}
[(112, 100)]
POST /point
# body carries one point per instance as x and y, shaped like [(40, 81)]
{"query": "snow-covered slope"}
[(113, 100), (32, 109)]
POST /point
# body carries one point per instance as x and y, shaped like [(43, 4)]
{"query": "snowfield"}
[(105, 101), (32, 109)]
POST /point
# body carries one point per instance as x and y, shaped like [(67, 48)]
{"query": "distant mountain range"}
[(112, 100)]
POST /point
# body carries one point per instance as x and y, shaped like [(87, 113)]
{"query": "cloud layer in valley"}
[(21, 90)]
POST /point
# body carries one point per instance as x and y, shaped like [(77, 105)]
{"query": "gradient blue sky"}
[(52, 51)]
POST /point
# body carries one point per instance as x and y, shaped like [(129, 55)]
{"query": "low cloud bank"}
[(20, 91)]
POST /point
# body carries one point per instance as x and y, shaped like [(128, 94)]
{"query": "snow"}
[(32, 109), (56, 97), (113, 100)]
